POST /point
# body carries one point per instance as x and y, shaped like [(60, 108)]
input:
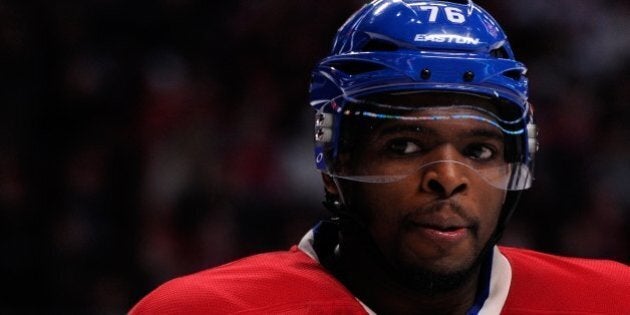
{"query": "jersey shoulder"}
[(276, 282), (543, 283)]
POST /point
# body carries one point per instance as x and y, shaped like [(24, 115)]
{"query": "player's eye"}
[(403, 147), (480, 152)]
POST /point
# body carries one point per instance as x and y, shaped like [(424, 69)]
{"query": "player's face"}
[(439, 218)]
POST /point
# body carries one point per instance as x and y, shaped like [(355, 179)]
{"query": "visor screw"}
[(469, 76), (425, 74), (319, 134)]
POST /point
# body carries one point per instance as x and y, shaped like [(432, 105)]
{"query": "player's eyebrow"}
[(389, 129), (489, 133)]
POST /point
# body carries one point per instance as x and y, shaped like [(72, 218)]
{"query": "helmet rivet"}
[(319, 118), (469, 76), (425, 73)]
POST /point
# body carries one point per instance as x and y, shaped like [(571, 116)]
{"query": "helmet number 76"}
[(454, 15)]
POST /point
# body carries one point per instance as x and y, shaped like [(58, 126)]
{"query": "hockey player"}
[(425, 139)]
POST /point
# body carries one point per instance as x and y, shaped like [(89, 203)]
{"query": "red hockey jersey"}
[(293, 282)]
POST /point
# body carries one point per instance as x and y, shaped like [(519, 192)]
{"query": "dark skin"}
[(439, 220)]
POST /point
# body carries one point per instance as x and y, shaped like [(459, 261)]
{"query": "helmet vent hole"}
[(379, 45), (514, 74), (500, 53), (356, 67)]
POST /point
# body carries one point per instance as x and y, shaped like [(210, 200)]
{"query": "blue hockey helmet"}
[(413, 46)]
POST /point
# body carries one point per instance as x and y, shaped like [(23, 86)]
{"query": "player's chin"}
[(432, 253), (441, 261), (436, 277), (450, 265)]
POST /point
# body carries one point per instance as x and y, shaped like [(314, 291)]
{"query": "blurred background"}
[(146, 140)]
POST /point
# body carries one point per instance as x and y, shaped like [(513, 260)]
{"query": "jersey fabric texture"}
[(294, 282)]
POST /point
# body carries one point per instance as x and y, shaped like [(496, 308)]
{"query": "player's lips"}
[(443, 223), (443, 233)]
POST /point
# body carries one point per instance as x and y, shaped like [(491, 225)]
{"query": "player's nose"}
[(445, 177)]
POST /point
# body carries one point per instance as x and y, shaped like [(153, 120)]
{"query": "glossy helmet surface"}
[(411, 45)]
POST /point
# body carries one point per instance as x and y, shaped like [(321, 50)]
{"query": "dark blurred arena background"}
[(145, 140)]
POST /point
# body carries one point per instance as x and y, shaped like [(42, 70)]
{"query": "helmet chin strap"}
[(342, 200), (509, 205), (338, 206)]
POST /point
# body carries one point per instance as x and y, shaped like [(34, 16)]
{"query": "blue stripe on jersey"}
[(483, 290)]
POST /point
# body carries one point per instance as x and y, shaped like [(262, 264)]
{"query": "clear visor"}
[(382, 144)]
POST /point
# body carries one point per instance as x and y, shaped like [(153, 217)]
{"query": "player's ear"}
[(330, 185)]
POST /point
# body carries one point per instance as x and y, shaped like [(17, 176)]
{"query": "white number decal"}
[(433, 14), (454, 15)]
